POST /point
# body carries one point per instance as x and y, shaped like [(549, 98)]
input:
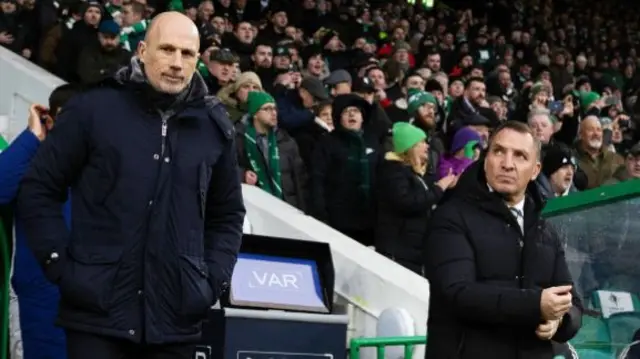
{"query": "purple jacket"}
[(457, 165)]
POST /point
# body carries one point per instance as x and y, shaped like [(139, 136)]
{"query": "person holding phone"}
[(500, 285)]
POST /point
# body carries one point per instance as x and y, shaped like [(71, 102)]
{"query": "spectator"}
[(558, 170), (405, 200), (241, 41), (86, 262), (13, 35), (541, 123), (593, 158), (630, 169), (468, 285), (267, 156), (308, 137), (102, 60), (338, 83), (38, 298), (465, 106), (343, 168), (54, 36), (281, 59), (294, 106), (234, 96), (134, 25), (465, 149), (82, 35), (422, 109), (222, 69)]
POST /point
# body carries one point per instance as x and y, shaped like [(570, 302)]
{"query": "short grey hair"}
[(539, 112)]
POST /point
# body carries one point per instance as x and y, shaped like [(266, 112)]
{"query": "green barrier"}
[(381, 343), (586, 350)]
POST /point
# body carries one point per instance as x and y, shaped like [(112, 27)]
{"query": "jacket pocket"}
[(104, 179), (197, 295), (204, 177), (88, 277)]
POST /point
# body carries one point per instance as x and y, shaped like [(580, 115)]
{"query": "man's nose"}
[(507, 163), (176, 61)]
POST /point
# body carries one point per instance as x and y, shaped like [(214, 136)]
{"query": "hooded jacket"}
[(157, 209)]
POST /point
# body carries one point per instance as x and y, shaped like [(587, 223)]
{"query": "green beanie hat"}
[(255, 100), (405, 136), (587, 98), (417, 99)]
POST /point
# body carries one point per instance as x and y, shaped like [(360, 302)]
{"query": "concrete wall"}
[(21, 84)]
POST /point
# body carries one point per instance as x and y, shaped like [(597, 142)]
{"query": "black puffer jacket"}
[(157, 219), (405, 202), (487, 277)]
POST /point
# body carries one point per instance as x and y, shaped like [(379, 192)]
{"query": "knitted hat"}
[(418, 99), (555, 157), (255, 100), (587, 98), (247, 77), (462, 137), (405, 136), (537, 88)]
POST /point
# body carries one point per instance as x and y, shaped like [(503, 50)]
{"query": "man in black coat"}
[(157, 204), (500, 286)]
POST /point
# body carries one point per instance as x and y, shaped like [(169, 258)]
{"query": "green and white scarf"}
[(127, 31), (113, 10), (269, 179)]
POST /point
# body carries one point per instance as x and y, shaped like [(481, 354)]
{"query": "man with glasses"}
[(267, 156)]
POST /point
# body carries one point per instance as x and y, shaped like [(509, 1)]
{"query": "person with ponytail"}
[(405, 198)]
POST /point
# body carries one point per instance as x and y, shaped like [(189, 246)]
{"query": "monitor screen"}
[(266, 281)]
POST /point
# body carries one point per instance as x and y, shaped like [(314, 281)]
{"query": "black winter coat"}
[(405, 202), (157, 219), (487, 278), (335, 195), (294, 178)]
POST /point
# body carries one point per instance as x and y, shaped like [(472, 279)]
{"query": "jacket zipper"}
[(165, 125), (148, 220)]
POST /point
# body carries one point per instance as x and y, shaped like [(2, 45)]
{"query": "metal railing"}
[(611, 350), (381, 343)]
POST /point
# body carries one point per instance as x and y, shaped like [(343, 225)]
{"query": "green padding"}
[(593, 354), (622, 326), (594, 334)]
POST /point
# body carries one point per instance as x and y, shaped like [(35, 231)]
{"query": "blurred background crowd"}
[(322, 92)]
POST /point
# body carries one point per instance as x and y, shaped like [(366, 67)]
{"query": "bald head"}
[(171, 21), (169, 52)]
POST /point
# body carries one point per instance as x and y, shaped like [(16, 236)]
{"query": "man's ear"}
[(536, 171), (141, 51)]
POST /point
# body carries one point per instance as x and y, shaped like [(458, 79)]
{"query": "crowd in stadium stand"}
[(363, 114)]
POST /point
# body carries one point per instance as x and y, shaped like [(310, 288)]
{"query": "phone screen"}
[(610, 101), (556, 106)]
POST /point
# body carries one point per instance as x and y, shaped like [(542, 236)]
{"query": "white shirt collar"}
[(519, 206)]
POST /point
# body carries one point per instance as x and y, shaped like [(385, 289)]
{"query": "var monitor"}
[(275, 282)]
